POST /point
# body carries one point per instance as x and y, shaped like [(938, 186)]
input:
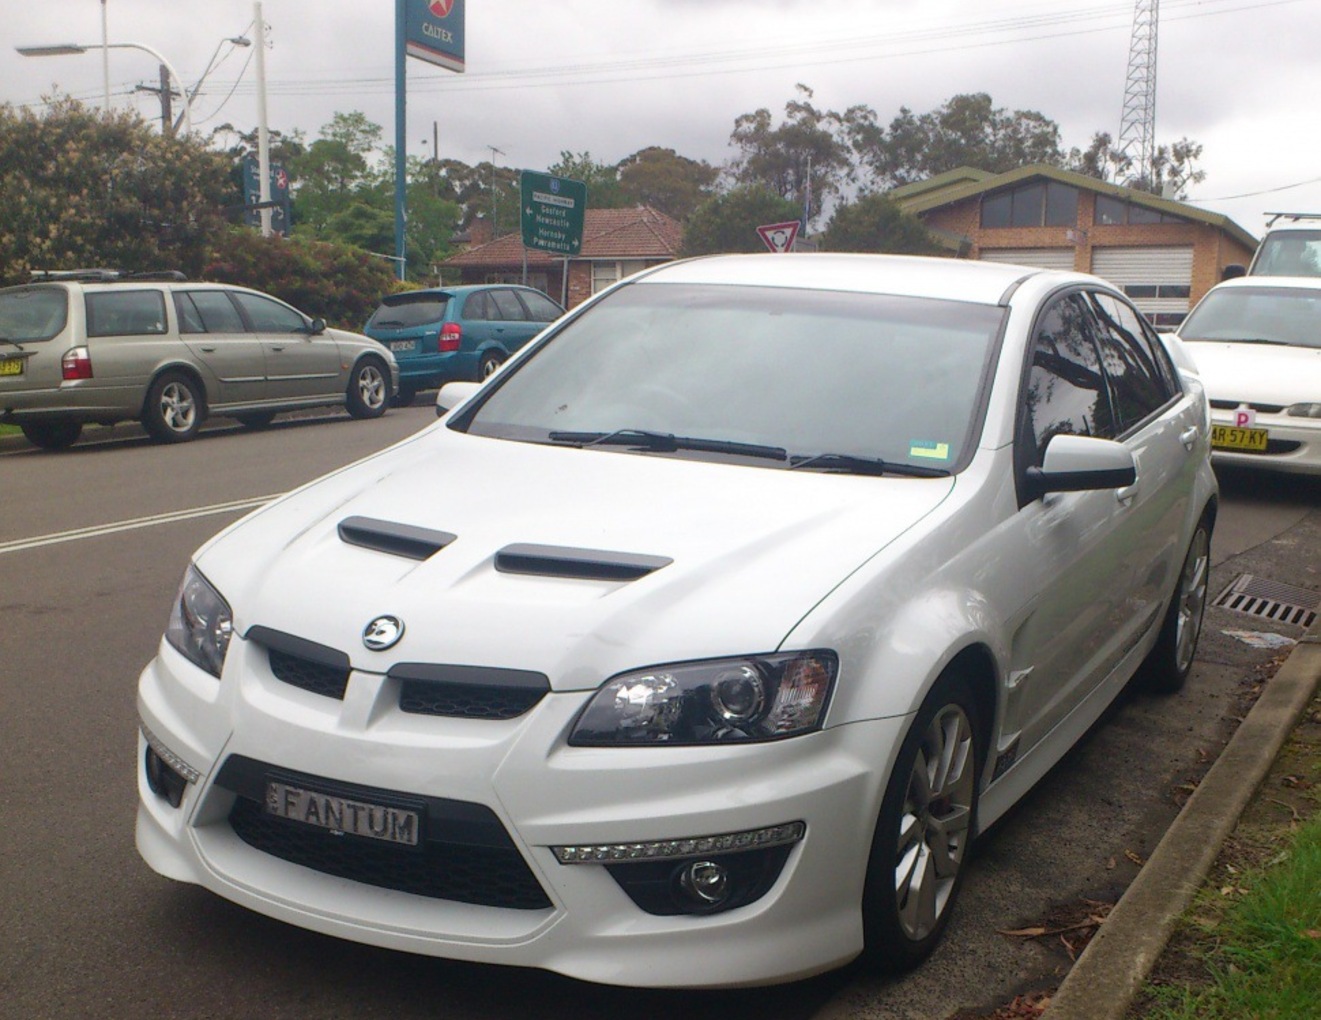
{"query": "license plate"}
[(402, 345), (1228, 437), (11, 366), (343, 815)]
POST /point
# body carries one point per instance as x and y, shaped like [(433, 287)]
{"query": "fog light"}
[(168, 775), (705, 882)]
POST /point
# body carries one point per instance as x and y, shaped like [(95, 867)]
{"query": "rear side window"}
[(207, 311), (28, 315), (125, 313), (539, 307), (407, 311), (479, 307), (510, 307)]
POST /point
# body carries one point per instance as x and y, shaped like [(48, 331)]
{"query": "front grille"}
[(328, 681), (466, 855), (466, 701)]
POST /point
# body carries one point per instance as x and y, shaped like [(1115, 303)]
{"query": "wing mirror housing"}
[(317, 327), (1233, 271), (1081, 464), (453, 394)]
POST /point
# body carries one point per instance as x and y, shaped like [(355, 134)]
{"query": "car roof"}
[(1269, 283), (910, 275)]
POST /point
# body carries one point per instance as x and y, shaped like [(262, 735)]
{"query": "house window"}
[(605, 274), (1111, 212), (1038, 204)]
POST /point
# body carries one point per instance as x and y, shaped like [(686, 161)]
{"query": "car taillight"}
[(76, 364), (451, 335)]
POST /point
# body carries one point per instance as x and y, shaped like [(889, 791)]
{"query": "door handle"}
[(277, 347), (1188, 437), (208, 350)]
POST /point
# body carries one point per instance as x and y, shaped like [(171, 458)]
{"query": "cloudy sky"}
[(610, 77)]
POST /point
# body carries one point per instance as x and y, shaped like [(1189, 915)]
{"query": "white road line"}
[(22, 544)]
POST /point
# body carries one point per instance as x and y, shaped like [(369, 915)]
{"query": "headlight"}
[(1303, 410), (200, 623), (763, 697)]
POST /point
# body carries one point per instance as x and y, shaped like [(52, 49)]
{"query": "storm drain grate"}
[(1271, 600)]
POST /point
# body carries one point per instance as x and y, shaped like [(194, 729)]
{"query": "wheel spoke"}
[(947, 838)]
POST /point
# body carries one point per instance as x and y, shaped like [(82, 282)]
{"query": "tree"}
[(601, 179), (81, 189), (806, 158), (969, 130), (1173, 166), (664, 180), (874, 223), (729, 222)]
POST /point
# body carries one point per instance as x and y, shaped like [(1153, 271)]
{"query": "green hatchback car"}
[(101, 347)]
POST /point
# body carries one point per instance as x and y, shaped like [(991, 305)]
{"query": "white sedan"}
[(1257, 344), (696, 646)]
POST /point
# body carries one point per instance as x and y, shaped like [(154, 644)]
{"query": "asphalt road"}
[(92, 544)]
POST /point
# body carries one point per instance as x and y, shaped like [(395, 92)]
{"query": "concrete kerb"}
[(1113, 967)]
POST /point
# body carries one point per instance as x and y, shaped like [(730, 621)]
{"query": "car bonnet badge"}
[(382, 633)]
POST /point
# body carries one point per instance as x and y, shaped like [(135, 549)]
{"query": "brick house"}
[(1164, 254), (616, 243)]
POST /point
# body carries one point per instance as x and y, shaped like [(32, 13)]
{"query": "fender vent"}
[(405, 540), (1271, 600)]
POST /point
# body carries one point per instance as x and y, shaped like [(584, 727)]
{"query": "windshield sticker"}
[(928, 450)]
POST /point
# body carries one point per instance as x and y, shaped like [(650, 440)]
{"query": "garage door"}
[(1040, 258), (1157, 279)]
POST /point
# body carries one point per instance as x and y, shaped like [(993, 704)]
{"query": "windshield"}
[(1289, 253), (820, 376), (1282, 315), (404, 311), (33, 313)]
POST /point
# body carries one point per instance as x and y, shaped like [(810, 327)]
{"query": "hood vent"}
[(396, 539), (584, 564)]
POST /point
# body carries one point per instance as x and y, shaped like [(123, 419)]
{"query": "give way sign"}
[(779, 237)]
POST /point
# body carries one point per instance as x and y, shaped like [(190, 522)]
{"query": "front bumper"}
[(1294, 444), (544, 794)]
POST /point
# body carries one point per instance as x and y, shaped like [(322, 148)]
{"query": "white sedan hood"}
[(1258, 373), (751, 551)]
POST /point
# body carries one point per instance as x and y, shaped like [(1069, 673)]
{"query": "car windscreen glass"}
[(813, 372), (1280, 315), (33, 314), (1289, 253), (405, 311)]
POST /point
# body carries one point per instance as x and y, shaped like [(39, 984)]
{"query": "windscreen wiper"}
[(850, 464), (1243, 340), (667, 442), (12, 343)]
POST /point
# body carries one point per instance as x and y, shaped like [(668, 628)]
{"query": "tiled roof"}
[(637, 233)]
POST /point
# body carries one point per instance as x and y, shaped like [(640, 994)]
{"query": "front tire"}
[(1166, 668), (924, 833), (175, 408), (369, 389), (52, 435)]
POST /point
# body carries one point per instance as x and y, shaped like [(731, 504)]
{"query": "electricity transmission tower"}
[(1137, 126)]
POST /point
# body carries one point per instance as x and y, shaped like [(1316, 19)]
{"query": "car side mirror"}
[(1233, 271), (1081, 464), (317, 327), (453, 394)]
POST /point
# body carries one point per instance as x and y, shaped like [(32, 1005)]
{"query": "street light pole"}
[(105, 58), (67, 49)]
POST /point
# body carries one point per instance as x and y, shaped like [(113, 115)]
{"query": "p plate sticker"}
[(928, 450)]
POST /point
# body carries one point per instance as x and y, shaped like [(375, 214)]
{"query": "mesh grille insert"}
[(328, 681)]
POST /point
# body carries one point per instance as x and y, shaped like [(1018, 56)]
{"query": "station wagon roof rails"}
[(1274, 216), (172, 275), (105, 275)]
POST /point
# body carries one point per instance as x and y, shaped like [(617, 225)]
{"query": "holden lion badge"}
[(382, 633)]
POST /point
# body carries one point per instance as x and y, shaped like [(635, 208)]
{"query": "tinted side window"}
[(1138, 386), (539, 307), (190, 319), (125, 313), (1066, 392), (217, 312), (509, 305), (270, 316), (479, 306)]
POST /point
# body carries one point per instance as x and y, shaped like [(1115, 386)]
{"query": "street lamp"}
[(68, 49), (235, 40)]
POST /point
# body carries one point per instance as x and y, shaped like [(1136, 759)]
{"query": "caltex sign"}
[(434, 32)]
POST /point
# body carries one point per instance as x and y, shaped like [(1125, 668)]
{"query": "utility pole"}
[(495, 229), (263, 134), (166, 94)]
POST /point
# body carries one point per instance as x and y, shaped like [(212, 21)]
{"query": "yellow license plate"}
[(11, 366), (1228, 437)]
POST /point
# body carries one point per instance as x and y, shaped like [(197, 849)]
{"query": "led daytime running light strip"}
[(169, 757), (676, 849)]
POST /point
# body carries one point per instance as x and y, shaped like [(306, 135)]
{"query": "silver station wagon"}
[(99, 346)]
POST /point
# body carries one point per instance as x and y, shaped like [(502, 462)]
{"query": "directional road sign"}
[(552, 216)]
